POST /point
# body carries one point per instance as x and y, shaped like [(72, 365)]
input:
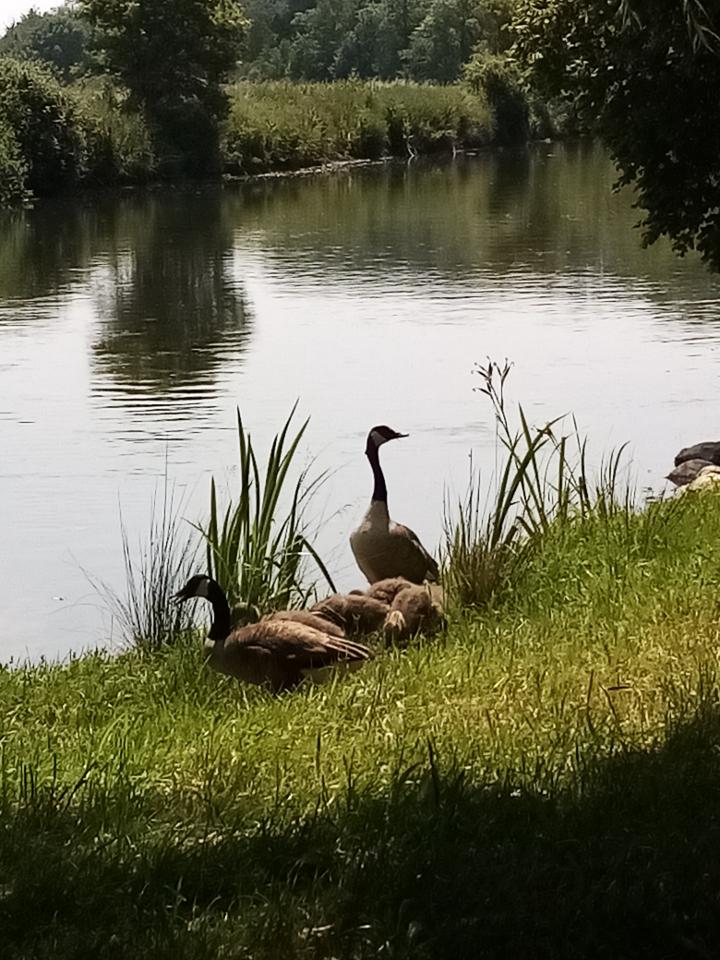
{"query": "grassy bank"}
[(541, 783), (279, 126), (55, 137)]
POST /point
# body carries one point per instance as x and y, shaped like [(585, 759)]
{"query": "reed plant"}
[(258, 545), (281, 125), (544, 483), (143, 612)]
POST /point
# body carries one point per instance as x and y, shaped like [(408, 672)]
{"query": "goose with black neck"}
[(276, 653), (381, 547)]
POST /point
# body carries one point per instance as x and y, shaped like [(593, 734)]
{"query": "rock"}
[(688, 470), (709, 450), (706, 481)]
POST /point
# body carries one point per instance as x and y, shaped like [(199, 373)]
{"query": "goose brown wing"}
[(309, 618), (296, 643), (414, 553)]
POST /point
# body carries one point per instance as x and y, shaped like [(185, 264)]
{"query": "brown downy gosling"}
[(276, 653), (382, 548), (386, 590), (355, 612), (414, 609)]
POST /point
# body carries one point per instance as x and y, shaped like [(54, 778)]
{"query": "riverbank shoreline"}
[(89, 137)]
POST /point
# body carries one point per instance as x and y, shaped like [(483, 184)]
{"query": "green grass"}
[(281, 125), (543, 782), (543, 484)]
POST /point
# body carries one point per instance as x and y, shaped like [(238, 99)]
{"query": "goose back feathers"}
[(414, 609)]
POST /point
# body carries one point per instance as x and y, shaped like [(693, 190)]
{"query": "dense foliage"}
[(283, 125), (297, 39), (172, 55), (60, 38), (40, 121), (645, 75), (330, 39)]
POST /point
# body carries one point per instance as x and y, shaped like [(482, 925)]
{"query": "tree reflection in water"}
[(169, 308)]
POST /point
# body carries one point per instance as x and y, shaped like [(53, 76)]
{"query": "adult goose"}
[(382, 548), (276, 653)]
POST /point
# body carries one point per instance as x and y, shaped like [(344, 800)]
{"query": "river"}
[(133, 325)]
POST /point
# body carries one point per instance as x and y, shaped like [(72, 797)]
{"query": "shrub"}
[(118, 142), (499, 79), (44, 122), (276, 125), (13, 169)]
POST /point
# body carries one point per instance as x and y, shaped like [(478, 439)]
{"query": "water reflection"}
[(504, 221), (170, 311)]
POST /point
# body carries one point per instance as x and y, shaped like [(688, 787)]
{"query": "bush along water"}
[(55, 137)]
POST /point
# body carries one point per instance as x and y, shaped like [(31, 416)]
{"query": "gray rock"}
[(687, 471), (709, 450)]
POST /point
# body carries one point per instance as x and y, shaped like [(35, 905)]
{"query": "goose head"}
[(199, 586), (380, 435)]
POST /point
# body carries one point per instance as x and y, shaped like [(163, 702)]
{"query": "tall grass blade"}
[(256, 551)]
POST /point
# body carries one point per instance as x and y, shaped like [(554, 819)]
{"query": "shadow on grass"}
[(630, 867)]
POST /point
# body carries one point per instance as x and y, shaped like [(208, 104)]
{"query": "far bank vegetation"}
[(90, 95)]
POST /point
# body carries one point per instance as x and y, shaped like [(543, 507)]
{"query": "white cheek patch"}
[(377, 438), (202, 588)]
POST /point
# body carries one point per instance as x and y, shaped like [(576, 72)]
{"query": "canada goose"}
[(307, 617), (414, 609), (355, 612), (276, 653), (709, 450), (382, 548), (688, 470)]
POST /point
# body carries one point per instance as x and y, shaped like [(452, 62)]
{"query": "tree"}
[(445, 39), (319, 34), (372, 47), (645, 75), (173, 56), (59, 38)]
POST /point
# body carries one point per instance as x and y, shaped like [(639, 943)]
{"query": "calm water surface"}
[(131, 328)]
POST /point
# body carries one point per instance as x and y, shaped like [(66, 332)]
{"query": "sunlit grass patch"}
[(280, 125)]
